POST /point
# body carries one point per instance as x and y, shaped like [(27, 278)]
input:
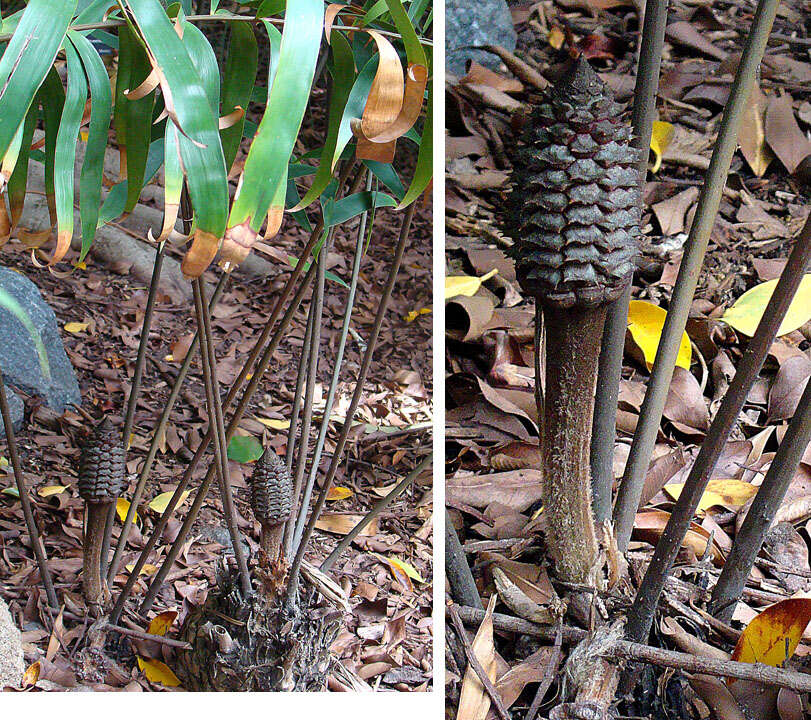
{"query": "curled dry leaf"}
[(474, 702), (685, 406), (650, 524), (515, 599), (727, 493), (517, 489), (773, 635)]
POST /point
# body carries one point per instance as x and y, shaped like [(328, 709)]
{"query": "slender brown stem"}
[(298, 395), (216, 424), (157, 435), (298, 522), (96, 593), (253, 383), (149, 637), (457, 570), (650, 415), (640, 617), (261, 368), (572, 352), (375, 510), (295, 569), (316, 316), (30, 523), (135, 390), (616, 323)]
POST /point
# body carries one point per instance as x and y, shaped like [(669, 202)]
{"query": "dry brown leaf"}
[(342, 524), (517, 489), (783, 134), (512, 683), (650, 524), (752, 134), (671, 213), (474, 702), (685, 406), (683, 33)]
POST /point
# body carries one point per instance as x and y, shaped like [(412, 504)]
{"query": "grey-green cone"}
[(271, 489), (101, 465), (573, 212)]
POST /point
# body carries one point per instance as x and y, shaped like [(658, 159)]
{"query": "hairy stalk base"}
[(573, 346)]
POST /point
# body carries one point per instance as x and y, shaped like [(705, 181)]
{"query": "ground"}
[(493, 485), (387, 639)]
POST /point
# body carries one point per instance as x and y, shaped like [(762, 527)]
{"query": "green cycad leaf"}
[(425, 168), (27, 59), (414, 50), (239, 77), (117, 197), (52, 97), (188, 103), (132, 118), (264, 178), (101, 100), (19, 178), (354, 106), (65, 156), (351, 206), (342, 70)]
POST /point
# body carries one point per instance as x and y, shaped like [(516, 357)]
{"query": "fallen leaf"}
[(147, 569), (337, 492), (783, 134), (727, 493), (645, 323), (50, 490), (774, 634), (342, 524), (685, 406), (160, 502), (474, 702), (244, 449), (158, 672), (752, 134), (671, 213), (661, 135), (274, 424), (76, 327), (122, 507), (160, 624), (467, 285), (747, 310), (650, 524)]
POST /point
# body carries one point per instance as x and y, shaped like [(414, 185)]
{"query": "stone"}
[(19, 360), (487, 22), (12, 663), (17, 409), (220, 535)]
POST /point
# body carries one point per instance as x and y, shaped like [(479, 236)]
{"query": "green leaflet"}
[(52, 97), (132, 118), (266, 164), (19, 178), (425, 169), (27, 60), (351, 206), (414, 50), (65, 156), (93, 166), (239, 76), (205, 62), (386, 173), (342, 70), (354, 106), (203, 158)]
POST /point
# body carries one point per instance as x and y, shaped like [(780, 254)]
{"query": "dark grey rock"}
[(487, 22), (18, 355), (220, 535), (17, 408)]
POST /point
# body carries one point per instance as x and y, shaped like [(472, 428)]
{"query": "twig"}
[(356, 396), (549, 673), (30, 523), (695, 248), (301, 376), (474, 663), (135, 390), (757, 672), (641, 614), (375, 510), (216, 424), (141, 635), (616, 322)]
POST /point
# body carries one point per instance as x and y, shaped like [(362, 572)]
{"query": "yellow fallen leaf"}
[(414, 314), (147, 569), (337, 492), (31, 675), (727, 492), (160, 624), (467, 285), (556, 38), (274, 424), (49, 490), (401, 565), (645, 322), (341, 524), (160, 502), (158, 672), (660, 138), (773, 636), (76, 327), (745, 313), (122, 507)]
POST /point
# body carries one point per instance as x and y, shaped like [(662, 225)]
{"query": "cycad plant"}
[(225, 131)]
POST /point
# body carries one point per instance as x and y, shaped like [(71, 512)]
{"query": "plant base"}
[(259, 644)]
